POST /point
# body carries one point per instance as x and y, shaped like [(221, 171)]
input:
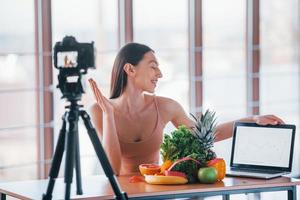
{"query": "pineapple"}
[(210, 155), (205, 132)]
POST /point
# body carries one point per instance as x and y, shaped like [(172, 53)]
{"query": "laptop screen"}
[(265, 146)]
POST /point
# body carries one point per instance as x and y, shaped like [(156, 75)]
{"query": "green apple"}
[(207, 175)]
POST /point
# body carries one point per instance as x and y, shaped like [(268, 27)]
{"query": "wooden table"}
[(98, 187)]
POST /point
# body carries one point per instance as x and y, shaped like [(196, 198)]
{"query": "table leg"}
[(253, 196), (225, 197), (292, 194), (3, 196)]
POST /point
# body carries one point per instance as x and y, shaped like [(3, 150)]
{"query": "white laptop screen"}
[(262, 146)]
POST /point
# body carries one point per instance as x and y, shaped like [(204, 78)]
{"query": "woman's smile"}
[(154, 82)]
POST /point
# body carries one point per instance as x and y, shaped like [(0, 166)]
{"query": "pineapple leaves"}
[(205, 129)]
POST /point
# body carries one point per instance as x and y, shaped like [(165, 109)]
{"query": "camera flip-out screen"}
[(67, 59)]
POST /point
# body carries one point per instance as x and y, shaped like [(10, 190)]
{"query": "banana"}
[(168, 180)]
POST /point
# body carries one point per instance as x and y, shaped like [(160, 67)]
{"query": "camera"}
[(72, 59)]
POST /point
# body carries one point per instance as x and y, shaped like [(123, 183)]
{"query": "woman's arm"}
[(172, 111), (178, 117), (224, 130), (103, 119)]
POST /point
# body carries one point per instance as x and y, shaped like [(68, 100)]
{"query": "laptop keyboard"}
[(256, 171), (253, 174)]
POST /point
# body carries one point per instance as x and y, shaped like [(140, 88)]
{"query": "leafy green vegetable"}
[(182, 143)]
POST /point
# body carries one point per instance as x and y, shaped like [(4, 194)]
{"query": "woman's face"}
[(147, 73)]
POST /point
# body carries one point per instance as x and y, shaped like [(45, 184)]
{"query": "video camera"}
[(72, 59)]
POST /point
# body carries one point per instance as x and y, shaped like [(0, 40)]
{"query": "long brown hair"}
[(131, 53)]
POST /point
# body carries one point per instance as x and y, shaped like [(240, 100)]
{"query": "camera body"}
[(70, 54), (72, 59)]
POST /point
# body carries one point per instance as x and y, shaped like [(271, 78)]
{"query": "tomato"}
[(213, 161), (207, 175), (220, 165), (136, 179), (149, 169), (175, 173)]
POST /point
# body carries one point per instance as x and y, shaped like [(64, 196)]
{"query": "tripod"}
[(68, 141)]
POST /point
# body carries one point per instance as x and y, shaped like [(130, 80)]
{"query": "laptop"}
[(261, 151)]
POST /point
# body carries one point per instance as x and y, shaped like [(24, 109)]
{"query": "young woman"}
[(130, 123)]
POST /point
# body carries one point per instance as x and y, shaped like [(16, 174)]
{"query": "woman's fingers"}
[(101, 100), (272, 119), (96, 91), (268, 119), (275, 118)]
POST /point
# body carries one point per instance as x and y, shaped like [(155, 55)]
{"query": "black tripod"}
[(69, 141)]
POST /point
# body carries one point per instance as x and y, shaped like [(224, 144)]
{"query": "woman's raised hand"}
[(267, 119), (102, 101)]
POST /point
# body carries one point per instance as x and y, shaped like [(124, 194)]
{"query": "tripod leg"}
[(77, 166), (70, 150), (56, 160), (102, 156)]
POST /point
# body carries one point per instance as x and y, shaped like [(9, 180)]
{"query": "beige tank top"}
[(144, 151)]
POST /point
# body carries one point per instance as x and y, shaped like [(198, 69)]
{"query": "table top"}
[(99, 186)]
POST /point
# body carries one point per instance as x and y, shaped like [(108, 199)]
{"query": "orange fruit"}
[(149, 169), (220, 165)]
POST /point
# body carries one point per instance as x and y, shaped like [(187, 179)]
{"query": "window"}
[(224, 61), (279, 88), (18, 92), (279, 59)]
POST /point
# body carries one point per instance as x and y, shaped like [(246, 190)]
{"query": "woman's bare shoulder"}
[(166, 103), (166, 100)]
